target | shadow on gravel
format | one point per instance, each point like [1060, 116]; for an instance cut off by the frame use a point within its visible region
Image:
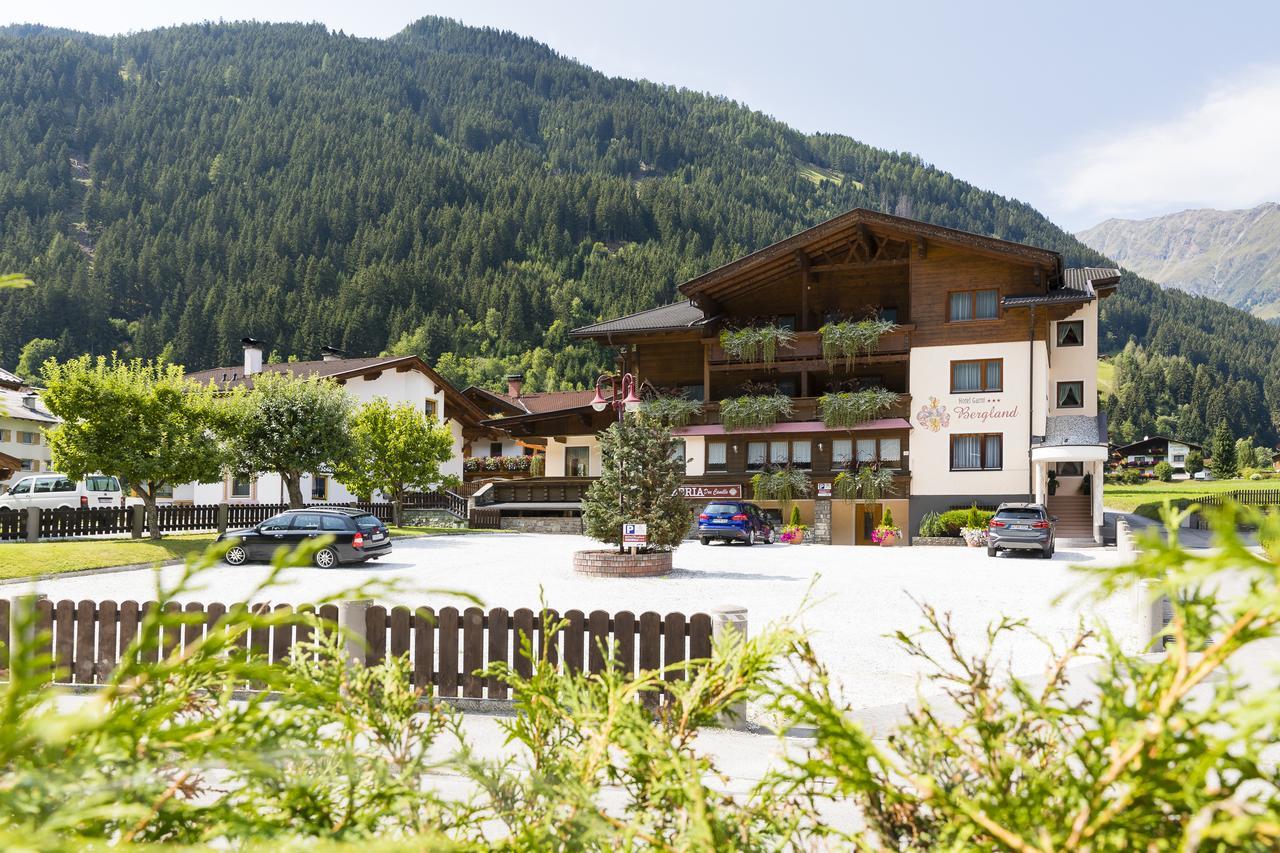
[697, 574]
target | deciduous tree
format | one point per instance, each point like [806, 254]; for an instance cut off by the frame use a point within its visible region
[291, 426]
[144, 422]
[394, 449]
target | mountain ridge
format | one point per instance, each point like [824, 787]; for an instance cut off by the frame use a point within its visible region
[1229, 255]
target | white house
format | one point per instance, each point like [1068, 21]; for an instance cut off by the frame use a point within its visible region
[23, 420]
[398, 379]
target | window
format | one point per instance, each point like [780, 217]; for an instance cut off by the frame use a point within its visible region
[841, 452]
[429, 406]
[99, 483]
[866, 450]
[62, 484]
[275, 524]
[891, 450]
[802, 454]
[886, 451]
[45, 485]
[1070, 469]
[306, 521]
[973, 305]
[982, 452]
[1071, 333]
[28, 437]
[4, 435]
[889, 314]
[979, 375]
[778, 453]
[333, 522]
[717, 456]
[29, 464]
[678, 450]
[577, 461]
[21, 488]
[495, 448]
[757, 454]
[1179, 458]
[1070, 395]
[241, 487]
[319, 487]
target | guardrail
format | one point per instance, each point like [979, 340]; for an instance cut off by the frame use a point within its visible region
[87, 639]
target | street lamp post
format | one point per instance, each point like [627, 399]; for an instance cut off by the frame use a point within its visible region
[623, 398]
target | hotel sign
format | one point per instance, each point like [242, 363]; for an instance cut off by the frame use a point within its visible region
[934, 416]
[711, 492]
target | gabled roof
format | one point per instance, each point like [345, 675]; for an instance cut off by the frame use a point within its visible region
[1079, 284]
[342, 369]
[10, 380]
[1138, 446]
[674, 317]
[11, 405]
[534, 403]
[842, 228]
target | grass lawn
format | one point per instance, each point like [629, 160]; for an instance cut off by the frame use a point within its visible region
[1106, 377]
[22, 559]
[1147, 498]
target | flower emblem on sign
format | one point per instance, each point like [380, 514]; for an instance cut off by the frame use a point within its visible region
[933, 417]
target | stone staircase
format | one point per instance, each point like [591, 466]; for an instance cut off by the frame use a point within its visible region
[1075, 516]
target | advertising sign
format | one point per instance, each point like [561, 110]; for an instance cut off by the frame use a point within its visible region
[711, 492]
[824, 490]
[635, 533]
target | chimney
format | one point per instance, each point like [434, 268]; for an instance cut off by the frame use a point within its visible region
[332, 354]
[515, 381]
[252, 356]
[29, 400]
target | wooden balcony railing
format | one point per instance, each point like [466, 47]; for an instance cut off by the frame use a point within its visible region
[805, 409]
[808, 348]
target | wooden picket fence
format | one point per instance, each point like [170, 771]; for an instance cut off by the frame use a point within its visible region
[82, 521]
[173, 517]
[1248, 497]
[446, 648]
[13, 524]
[484, 519]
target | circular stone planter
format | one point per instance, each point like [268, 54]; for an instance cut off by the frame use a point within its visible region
[611, 564]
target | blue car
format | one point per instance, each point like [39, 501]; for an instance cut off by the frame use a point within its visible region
[734, 521]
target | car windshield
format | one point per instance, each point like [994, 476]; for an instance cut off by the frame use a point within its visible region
[721, 509]
[1020, 513]
[101, 484]
[368, 522]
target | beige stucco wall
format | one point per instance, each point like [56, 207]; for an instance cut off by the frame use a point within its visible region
[1068, 364]
[695, 455]
[556, 448]
[1011, 412]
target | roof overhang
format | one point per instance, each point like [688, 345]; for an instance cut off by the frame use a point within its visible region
[847, 227]
[1069, 453]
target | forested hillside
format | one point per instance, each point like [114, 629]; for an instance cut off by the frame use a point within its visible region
[460, 193]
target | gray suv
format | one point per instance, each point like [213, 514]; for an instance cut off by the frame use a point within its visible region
[1022, 527]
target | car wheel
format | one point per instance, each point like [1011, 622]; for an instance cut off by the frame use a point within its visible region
[326, 558]
[705, 541]
[991, 552]
[768, 539]
[1047, 551]
[751, 538]
[236, 555]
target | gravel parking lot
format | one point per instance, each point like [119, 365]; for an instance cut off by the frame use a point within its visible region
[855, 595]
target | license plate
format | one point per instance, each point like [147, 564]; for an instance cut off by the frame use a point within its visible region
[1020, 526]
[104, 500]
[718, 521]
[375, 537]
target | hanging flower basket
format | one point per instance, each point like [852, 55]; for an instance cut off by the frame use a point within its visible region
[844, 341]
[759, 410]
[756, 343]
[847, 409]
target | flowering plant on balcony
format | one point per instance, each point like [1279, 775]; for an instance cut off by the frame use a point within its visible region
[756, 343]
[847, 409]
[755, 409]
[511, 464]
[671, 410]
[843, 341]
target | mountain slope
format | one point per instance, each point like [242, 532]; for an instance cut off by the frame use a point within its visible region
[1230, 255]
[464, 194]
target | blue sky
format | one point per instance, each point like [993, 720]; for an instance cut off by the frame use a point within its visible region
[1085, 109]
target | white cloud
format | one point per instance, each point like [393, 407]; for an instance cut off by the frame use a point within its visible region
[1223, 152]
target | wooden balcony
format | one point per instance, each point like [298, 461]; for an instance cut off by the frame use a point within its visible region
[804, 409]
[536, 490]
[806, 353]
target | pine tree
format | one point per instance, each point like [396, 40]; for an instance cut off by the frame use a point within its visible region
[1222, 451]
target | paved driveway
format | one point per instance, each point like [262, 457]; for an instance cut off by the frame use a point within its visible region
[854, 595]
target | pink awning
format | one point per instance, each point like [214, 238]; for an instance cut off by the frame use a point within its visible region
[794, 426]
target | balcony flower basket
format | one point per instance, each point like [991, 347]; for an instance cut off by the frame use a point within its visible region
[792, 534]
[868, 483]
[847, 409]
[782, 485]
[756, 343]
[754, 410]
[670, 410]
[844, 341]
